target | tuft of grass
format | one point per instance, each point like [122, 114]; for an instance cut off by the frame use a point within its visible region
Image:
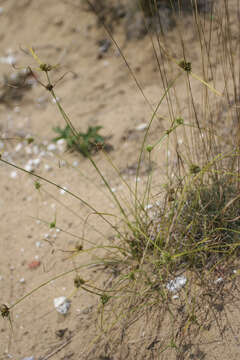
[197, 229]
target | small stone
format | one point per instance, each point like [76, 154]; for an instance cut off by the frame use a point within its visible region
[148, 206]
[36, 161]
[62, 145]
[18, 147]
[63, 191]
[176, 284]
[52, 147]
[13, 174]
[60, 333]
[34, 264]
[141, 127]
[28, 167]
[61, 304]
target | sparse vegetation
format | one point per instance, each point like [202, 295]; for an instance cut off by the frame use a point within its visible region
[85, 143]
[172, 253]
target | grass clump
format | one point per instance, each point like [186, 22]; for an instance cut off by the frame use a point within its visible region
[208, 224]
[198, 228]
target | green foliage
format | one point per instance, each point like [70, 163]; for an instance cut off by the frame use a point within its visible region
[85, 143]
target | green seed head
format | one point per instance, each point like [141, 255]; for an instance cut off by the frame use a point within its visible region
[78, 282]
[30, 140]
[105, 298]
[149, 148]
[37, 185]
[79, 247]
[179, 121]
[46, 67]
[52, 224]
[194, 169]
[185, 65]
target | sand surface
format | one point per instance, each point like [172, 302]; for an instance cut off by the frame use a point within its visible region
[95, 91]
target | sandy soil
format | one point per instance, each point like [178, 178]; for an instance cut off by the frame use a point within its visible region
[94, 92]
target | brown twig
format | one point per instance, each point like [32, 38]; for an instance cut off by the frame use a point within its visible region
[56, 350]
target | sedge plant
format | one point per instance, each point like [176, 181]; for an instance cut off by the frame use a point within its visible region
[191, 232]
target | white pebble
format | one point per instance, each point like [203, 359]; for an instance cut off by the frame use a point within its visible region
[28, 167]
[141, 127]
[62, 145]
[47, 167]
[63, 190]
[36, 161]
[176, 284]
[148, 206]
[75, 163]
[13, 174]
[51, 147]
[54, 101]
[11, 60]
[61, 304]
[18, 147]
